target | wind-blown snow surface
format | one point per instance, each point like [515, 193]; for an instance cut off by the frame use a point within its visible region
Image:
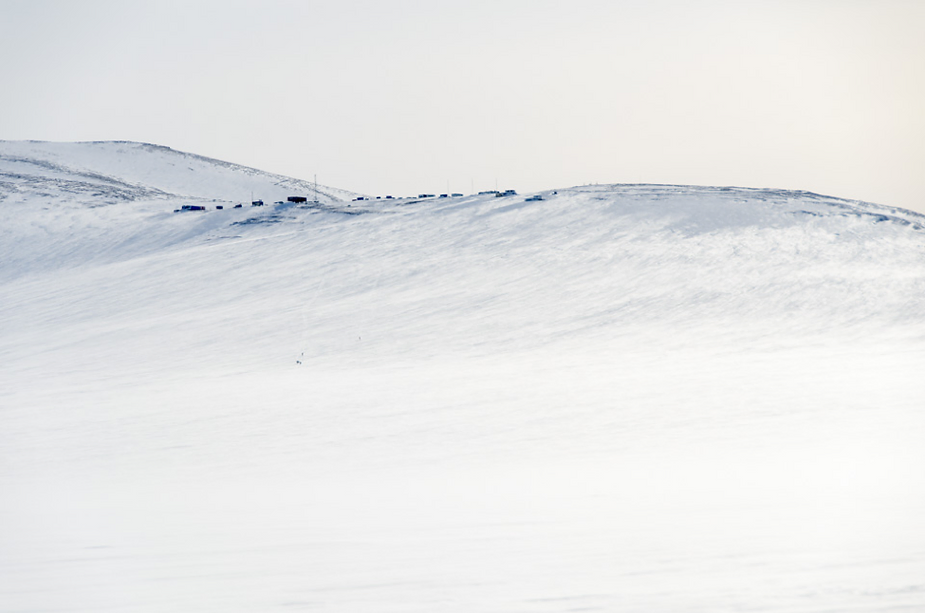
[621, 398]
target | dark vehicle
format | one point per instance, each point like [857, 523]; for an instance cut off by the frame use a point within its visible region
[388, 198]
[425, 195]
[456, 195]
[297, 199]
[238, 206]
[192, 207]
[219, 207]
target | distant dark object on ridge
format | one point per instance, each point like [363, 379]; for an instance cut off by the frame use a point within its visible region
[296, 199]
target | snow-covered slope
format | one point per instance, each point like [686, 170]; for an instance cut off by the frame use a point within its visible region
[626, 397]
[64, 179]
[109, 172]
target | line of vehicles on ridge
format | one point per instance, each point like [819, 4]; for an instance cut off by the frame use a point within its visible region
[495, 192]
[219, 207]
[303, 199]
[509, 192]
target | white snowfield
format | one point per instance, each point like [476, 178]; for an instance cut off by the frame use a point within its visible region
[634, 398]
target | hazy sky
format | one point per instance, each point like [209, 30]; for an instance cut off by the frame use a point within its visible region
[403, 97]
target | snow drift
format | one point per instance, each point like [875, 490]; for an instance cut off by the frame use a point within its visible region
[620, 397]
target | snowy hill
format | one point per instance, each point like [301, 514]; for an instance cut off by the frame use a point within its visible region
[108, 172]
[620, 397]
[64, 179]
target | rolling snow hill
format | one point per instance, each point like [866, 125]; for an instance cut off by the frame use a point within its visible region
[620, 397]
[110, 172]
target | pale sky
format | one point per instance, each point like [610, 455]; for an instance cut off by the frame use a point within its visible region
[402, 97]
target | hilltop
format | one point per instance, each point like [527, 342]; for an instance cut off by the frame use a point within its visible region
[108, 172]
